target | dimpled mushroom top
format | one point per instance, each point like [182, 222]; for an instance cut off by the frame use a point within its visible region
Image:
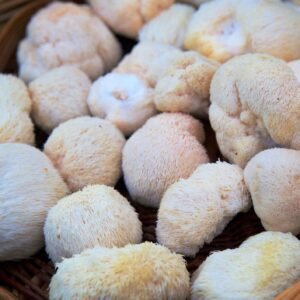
[86, 151]
[262, 267]
[145, 271]
[15, 106]
[96, 216]
[67, 34]
[255, 105]
[167, 148]
[221, 29]
[195, 210]
[126, 17]
[273, 179]
[59, 95]
[169, 26]
[29, 186]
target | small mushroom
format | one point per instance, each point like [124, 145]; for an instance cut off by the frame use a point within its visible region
[262, 267]
[86, 151]
[145, 271]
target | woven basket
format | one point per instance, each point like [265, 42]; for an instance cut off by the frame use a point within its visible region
[29, 279]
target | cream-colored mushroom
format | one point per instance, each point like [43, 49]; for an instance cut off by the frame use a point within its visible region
[167, 148]
[169, 26]
[145, 271]
[295, 66]
[273, 178]
[30, 186]
[126, 17]
[96, 216]
[184, 87]
[262, 267]
[194, 211]
[67, 34]
[254, 106]
[86, 151]
[59, 95]
[124, 99]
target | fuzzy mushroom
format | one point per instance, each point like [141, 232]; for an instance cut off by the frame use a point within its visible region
[96, 216]
[273, 179]
[201, 206]
[15, 106]
[59, 95]
[167, 148]
[168, 27]
[145, 271]
[262, 267]
[127, 17]
[221, 29]
[86, 151]
[29, 186]
[254, 106]
[67, 34]
[149, 61]
[295, 66]
[184, 87]
[124, 99]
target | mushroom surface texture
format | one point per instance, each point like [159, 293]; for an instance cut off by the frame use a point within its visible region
[96, 216]
[86, 151]
[145, 271]
[273, 179]
[184, 87]
[67, 34]
[262, 267]
[255, 105]
[29, 186]
[59, 95]
[15, 106]
[295, 66]
[149, 61]
[194, 211]
[124, 99]
[169, 26]
[167, 148]
[127, 17]
[221, 29]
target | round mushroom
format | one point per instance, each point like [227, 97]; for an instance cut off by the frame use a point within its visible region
[67, 34]
[262, 267]
[96, 216]
[167, 148]
[273, 178]
[59, 95]
[194, 211]
[254, 106]
[124, 99]
[86, 151]
[145, 271]
[30, 186]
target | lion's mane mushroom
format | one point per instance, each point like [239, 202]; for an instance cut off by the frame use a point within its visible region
[67, 34]
[29, 186]
[169, 26]
[184, 87]
[124, 99]
[59, 95]
[273, 179]
[86, 151]
[145, 271]
[195, 210]
[254, 106]
[15, 106]
[166, 148]
[149, 61]
[96, 216]
[127, 17]
[221, 29]
[262, 267]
